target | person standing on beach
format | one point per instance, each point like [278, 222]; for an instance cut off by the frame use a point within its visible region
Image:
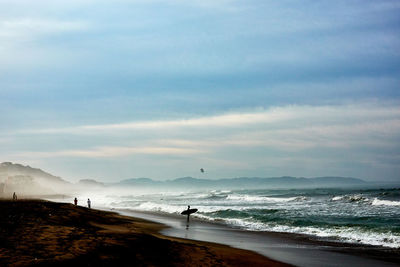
[188, 214]
[88, 203]
[14, 196]
[76, 201]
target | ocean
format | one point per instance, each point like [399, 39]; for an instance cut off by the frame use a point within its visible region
[363, 216]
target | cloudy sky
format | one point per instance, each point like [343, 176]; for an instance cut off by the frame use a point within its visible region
[144, 88]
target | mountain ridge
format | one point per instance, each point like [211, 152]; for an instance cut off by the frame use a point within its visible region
[18, 174]
[25, 180]
[12, 169]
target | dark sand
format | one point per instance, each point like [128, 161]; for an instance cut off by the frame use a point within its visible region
[42, 233]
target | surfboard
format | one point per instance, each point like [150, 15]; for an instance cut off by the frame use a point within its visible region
[188, 212]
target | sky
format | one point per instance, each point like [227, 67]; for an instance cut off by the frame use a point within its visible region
[110, 90]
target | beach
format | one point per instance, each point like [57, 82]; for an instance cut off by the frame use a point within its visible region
[44, 233]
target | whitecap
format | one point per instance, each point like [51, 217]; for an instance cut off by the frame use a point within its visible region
[379, 202]
[350, 198]
[250, 198]
[342, 234]
[336, 198]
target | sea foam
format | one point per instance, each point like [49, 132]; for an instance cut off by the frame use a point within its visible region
[379, 202]
[249, 198]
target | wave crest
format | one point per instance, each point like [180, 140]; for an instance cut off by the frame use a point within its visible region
[379, 202]
[249, 198]
[350, 198]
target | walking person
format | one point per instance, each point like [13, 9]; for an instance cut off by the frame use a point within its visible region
[88, 203]
[76, 201]
[14, 196]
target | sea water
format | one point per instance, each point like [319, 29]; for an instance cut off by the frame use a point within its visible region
[363, 216]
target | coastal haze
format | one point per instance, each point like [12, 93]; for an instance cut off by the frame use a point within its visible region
[30, 181]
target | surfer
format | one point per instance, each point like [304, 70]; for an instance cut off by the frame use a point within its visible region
[188, 212]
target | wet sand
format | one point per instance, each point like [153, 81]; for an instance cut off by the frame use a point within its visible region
[294, 249]
[42, 233]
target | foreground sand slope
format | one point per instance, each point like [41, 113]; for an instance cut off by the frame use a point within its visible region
[35, 232]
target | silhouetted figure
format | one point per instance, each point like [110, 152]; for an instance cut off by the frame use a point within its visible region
[76, 201]
[88, 203]
[188, 214]
[14, 196]
[202, 170]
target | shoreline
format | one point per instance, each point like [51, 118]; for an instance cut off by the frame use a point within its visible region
[41, 232]
[296, 249]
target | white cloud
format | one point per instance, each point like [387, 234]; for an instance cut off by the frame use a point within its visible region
[30, 27]
[368, 134]
[348, 140]
[109, 151]
[286, 117]
[226, 120]
[288, 128]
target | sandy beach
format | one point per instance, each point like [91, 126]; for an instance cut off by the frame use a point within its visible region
[43, 233]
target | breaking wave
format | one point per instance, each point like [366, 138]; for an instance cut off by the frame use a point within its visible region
[249, 198]
[368, 217]
[350, 198]
[378, 202]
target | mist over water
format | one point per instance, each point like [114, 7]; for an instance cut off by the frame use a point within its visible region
[364, 216]
[357, 213]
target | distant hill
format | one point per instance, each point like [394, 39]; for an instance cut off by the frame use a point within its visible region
[11, 169]
[247, 182]
[27, 180]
